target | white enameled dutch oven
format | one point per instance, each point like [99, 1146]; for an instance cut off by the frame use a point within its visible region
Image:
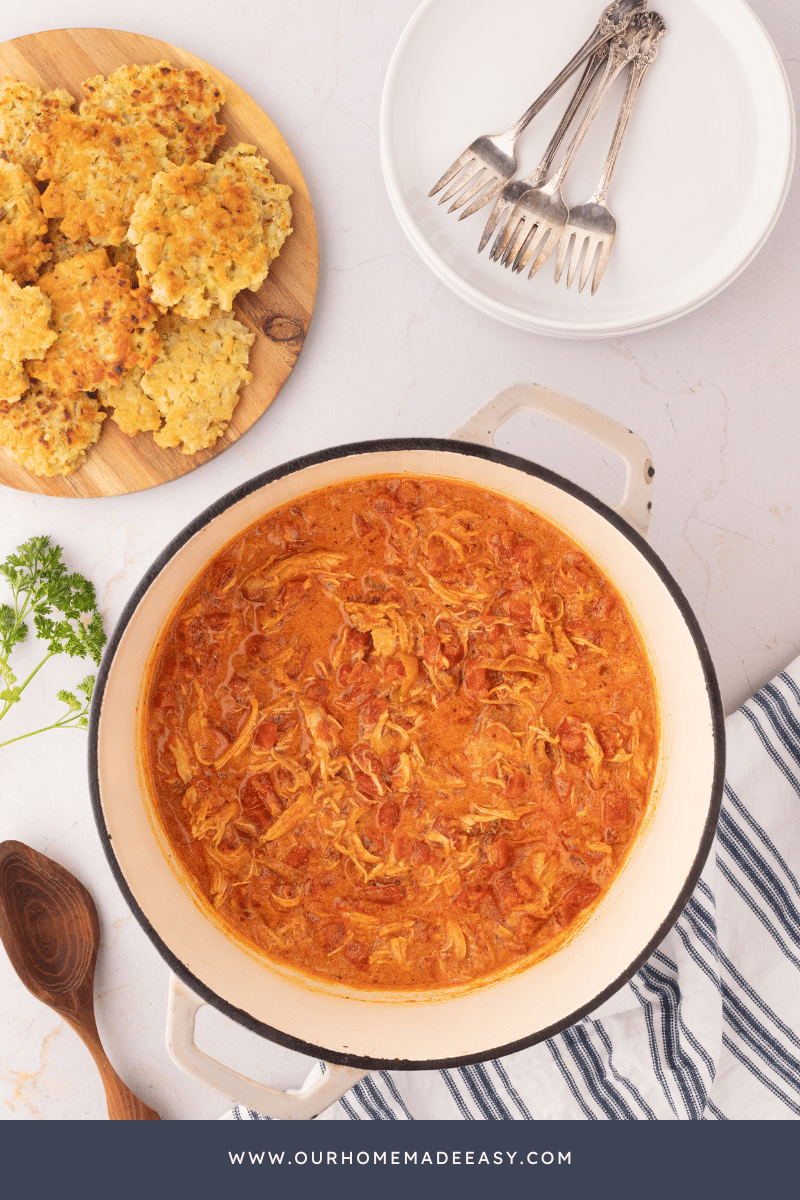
[358, 1031]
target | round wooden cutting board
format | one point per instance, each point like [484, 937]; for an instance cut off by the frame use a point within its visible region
[278, 313]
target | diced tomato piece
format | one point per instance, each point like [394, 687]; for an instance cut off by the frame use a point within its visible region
[384, 893]
[366, 784]
[471, 897]
[322, 883]
[409, 493]
[389, 814]
[295, 590]
[357, 695]
[516, 785]
[475, 680]
[423, 853]
[453, 652]
[615, 809]
[258, 792]
[572, 736]
[391, 761]
[357, 953]
[239, 685]
[266, 734]
[431, 649]
[217, 621]
[506, 890]
[256, 646]
[604, 607]
[500, 853]
[297, 856]
[394, 670]
[385, 505]
[358, 641]
[519, 609]
[527, 927]
[220, 573]
[525, 551]
[332, 935]
[402, 846]
[372, 711]
[610, 739]
[571, 578]
[552, 607]
[361, 527]
[579, 895]
[437, 560]
[502, 546]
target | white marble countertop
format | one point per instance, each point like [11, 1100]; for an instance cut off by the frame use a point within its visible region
[391, 352]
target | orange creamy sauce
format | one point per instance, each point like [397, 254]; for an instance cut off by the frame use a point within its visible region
[401, 734]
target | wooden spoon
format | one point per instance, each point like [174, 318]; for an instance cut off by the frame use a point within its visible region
[49, 927]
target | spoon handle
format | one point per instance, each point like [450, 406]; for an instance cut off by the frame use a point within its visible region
[123, 1105]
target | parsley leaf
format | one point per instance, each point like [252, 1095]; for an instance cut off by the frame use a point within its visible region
[63, 608]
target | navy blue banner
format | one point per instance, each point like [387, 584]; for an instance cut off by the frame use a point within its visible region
[561, 1159]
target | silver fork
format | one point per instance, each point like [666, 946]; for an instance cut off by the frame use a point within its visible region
[591, 225]
[540, 213]
[490, 161]
[512, 191]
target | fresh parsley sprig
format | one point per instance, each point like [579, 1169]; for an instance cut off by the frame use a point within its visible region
[64, 611]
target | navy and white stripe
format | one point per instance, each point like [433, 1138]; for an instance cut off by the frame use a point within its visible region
[709, 1028]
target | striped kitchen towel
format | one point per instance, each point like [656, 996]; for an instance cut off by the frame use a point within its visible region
[709, 1028]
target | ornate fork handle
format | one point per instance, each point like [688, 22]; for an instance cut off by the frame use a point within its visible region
[592, 68]
[614, 19]
[623, 49]
[644, 59]
[591, 229]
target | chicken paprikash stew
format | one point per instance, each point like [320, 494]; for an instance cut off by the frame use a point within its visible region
[401, 734]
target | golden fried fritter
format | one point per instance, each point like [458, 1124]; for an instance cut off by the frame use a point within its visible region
[48, 431]
[13, 381]
[23, 229]
[127, 199]
[180, 104]
[97, 169]
[104, 324]
[134, 411]
[25, 314]
[205, 231]
[27, 112]
[196, 379]
[61, 248]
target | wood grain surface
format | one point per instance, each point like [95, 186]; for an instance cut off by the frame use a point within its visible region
[51, 933]
[278, 313]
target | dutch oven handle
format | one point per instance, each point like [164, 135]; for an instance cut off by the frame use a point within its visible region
[323, 1091]
[636, 503]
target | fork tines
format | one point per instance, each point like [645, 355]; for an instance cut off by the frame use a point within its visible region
[595, 251]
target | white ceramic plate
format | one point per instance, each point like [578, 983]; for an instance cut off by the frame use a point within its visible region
[700, 182]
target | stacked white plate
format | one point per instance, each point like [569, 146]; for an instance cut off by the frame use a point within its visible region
[702, 176]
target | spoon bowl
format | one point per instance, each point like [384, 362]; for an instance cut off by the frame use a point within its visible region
[51, 933]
